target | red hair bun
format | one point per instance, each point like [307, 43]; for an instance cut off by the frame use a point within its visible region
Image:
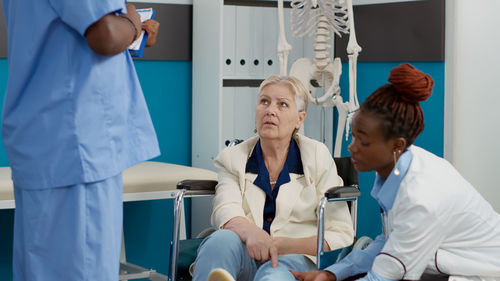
[415, 85]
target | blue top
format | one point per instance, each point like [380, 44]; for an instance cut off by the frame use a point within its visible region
[256, 165]
[70, 115]
[384, 191]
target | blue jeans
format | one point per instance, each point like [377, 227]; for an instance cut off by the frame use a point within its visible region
[224, 249]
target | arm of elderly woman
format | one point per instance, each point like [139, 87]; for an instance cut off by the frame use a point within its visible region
[229, 214]
[259, 244]
[305, 246]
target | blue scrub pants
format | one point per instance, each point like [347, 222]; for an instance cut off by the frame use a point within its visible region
[224, 249]
[69, 233]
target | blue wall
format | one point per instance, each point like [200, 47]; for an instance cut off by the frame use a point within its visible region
[6, 216]
[148, 224]
[4, 75]
[167, 87]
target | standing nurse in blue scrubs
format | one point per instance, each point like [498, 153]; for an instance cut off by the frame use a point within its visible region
[74, 118]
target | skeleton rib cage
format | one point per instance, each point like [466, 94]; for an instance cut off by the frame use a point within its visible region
[320, 17]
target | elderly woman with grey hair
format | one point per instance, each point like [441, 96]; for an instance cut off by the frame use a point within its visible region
[268, 191]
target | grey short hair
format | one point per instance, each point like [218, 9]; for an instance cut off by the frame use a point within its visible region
[294, 84]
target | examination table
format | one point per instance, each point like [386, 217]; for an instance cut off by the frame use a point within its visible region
[146, 181]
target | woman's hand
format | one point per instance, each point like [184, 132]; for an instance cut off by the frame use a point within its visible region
[151, 27]
[316, 275]
[259, 244]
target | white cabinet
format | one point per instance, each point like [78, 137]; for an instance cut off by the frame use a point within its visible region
[231, 43]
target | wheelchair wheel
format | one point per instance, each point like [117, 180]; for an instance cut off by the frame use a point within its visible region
[343, 253]
[206, 232]
[185, 271]
[362, 243]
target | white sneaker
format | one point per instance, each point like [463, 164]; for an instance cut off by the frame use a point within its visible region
[220, 274]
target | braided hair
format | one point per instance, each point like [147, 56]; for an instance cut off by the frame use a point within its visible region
[397, 103]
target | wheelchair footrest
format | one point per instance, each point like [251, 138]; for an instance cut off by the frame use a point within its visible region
[129, 271]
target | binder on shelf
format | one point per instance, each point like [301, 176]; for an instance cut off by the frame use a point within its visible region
[244, 119]
[229, 115]
[229, 41]
[243, 40]
[257, 43]
[270, 38]
[136, 49]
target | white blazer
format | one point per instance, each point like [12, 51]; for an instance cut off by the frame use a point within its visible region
[297, 202]
[438, 223]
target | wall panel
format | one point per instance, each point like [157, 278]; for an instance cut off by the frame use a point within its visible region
[411, 31]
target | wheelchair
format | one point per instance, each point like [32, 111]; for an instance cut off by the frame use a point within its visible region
[148, 181]
[348, 192]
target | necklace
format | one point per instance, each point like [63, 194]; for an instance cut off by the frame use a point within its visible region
[272, 182]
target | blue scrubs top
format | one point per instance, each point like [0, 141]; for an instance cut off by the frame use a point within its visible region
[256, 165]
[70, 115]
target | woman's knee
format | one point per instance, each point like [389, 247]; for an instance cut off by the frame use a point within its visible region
[222, 240]
[282, 271]
[223, 236]
[267, 272]
[223, 249]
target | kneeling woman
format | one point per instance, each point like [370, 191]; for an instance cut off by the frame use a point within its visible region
[269, 188]
[434, 221]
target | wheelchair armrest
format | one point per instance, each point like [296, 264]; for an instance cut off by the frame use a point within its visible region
[208, 185]
[339, 192]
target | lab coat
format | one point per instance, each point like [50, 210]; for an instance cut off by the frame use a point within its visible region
[438, 224]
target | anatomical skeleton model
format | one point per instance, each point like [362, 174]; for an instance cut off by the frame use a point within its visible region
[323, 16]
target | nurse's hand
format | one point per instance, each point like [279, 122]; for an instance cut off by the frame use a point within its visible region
[259, 244]
[151, 27]
[316, 275]
[135, 19]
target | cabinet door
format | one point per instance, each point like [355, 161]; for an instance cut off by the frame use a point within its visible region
[238, 113]
[244, 109]
[318, 124]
